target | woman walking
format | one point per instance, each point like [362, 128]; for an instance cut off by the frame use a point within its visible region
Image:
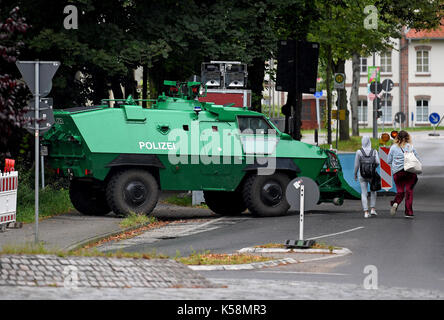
[404, 181]
[366, 160]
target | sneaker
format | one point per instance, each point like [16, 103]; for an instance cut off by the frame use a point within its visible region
[366, 215]
[393, 209]
[409, 216]
[373, 212]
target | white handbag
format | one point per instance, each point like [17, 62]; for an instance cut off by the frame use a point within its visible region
[411, 163]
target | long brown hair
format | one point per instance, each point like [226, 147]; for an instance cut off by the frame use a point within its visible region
[402, 138]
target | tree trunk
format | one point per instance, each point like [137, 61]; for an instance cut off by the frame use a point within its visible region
[344, 126]
[144, 85]
[117, 89]
[100, 88]
[256, 74]
[354, 95]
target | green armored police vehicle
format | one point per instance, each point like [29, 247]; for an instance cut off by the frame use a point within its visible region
[119, 156]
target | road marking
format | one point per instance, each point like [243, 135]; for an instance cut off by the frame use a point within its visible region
[308, 273]
[334, 234]
[431, 176]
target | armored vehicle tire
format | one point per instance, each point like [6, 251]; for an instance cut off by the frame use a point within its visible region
[132, 190]
[88, 198]
[225, 203]
[265, 195]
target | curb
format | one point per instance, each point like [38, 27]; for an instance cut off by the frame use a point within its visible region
[341, 251]
[247, 266]
[98, 238]
[272, 263]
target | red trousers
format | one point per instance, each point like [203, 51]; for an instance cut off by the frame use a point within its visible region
[405, 182]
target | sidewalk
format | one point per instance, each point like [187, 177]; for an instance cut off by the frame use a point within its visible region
[66, 230]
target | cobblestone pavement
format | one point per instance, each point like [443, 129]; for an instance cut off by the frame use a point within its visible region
[100, 272]
[235, 289]
[171, 231]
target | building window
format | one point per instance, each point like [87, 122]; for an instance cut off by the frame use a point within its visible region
[306, 110]
[386, 108]
[422, 110]
[363, 65]
[362, 111]
[386, 62]
[422, 61]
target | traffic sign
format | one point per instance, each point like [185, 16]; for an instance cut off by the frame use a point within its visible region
[400, 117]
[387, 85]
[376, 87]
[339, 81]
[318, 94]
[38, 77]
[434, 118]
[47, 69]
[45, 119]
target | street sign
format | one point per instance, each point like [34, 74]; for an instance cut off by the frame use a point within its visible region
[400, 117]
[46, 73]
[387, 85]
[339, 81]
[38, 76]
[374, 74]
[385, 96]
[45, 119]
[376, 87]
[318, 94]
[434, 118]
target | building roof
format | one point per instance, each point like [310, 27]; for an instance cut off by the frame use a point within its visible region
[438, 33]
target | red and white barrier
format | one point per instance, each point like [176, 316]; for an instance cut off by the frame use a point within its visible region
[386, 171]
[8, 194]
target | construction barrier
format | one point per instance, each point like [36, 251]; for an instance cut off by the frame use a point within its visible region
[347, 161]
[8, 194]
[385, 169]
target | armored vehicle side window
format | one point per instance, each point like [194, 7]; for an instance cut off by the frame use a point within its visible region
[256, 125]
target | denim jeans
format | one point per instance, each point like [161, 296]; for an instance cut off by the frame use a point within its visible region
[364, 194]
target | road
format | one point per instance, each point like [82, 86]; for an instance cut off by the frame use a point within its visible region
[405, 253]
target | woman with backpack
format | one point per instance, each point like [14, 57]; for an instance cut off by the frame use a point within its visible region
[366, 160]
[405, 181]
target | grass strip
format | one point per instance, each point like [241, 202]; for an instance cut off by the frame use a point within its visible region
[208, 258]
[354, 144]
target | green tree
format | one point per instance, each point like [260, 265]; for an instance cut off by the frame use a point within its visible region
[342, 35]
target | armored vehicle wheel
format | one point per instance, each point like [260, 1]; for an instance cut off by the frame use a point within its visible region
[132, 190]
[225, 203]
[88, 198]
[265, 195]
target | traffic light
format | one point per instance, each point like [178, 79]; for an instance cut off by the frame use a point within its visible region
[378, 108]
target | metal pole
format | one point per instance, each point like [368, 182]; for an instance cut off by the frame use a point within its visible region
[301, 214]
[269, 91]
[375, 120]
[37, 144]
[337, 119]
[318, 116]
[43, 170]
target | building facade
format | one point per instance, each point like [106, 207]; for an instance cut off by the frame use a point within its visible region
[416, 66]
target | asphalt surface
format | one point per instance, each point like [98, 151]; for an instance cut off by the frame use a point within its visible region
[406, 253]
